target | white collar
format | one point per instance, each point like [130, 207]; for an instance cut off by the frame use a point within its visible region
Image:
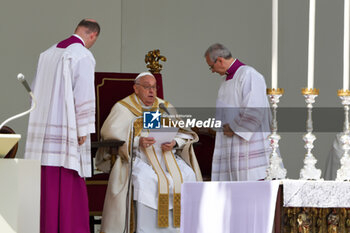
[141, 103]
[230, 66]
[232, 63]
[79, 38]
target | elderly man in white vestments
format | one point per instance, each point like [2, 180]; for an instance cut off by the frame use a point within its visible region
[59, 129]
[158, 171]
[241, 149]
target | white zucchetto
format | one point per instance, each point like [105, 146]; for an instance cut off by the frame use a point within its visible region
[143, 74]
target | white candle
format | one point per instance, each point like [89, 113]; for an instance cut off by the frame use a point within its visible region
[311, 52]
[274, 62]
[346, 46]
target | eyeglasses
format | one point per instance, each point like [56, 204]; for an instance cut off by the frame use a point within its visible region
[148, 87]
[212, 66]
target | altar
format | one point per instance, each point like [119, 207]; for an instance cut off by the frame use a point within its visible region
[266, 206]
[223, 207]
[315, 206]
[19, 195]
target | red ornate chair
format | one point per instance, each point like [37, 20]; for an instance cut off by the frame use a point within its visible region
[12, 153]
[109, 89]
[204, 150]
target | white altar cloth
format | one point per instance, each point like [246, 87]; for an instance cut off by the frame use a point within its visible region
[19, 196]
[321, 194]
[224, 207]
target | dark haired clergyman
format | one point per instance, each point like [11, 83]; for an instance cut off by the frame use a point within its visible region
[59, 129]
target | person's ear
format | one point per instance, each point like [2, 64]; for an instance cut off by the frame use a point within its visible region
[135, 89]
[93, 35]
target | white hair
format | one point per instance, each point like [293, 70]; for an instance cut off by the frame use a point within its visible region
[217, 50]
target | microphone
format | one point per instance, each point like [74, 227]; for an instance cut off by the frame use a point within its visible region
[162, 106]
[127, 216]
[21, 78]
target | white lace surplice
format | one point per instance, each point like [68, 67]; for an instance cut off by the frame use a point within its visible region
[243, 104]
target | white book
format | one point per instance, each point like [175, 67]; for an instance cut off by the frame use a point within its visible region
[163, 135]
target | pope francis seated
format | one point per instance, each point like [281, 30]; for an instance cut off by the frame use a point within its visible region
[157, 171]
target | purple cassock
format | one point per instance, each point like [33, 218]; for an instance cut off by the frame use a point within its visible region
[64, 201]
[233, 68]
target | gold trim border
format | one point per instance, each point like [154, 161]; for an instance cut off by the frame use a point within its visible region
[311, 91]
[273, 91]
[95, 213]
[163, 210]
[96, 182]
[343, 92]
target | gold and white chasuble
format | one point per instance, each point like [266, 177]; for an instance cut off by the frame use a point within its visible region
[160, 190]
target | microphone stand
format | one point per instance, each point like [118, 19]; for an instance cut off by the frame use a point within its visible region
[132, 158]
[23, 113]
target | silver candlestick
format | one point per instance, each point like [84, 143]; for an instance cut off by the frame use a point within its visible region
[343, 173]
[275, 169]
[309, 171]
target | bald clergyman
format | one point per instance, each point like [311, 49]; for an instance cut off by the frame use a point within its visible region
[59, 129]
